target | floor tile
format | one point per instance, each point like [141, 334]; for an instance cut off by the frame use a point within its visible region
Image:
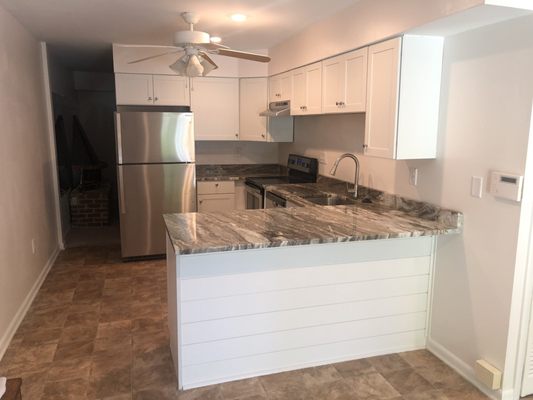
[98, 331]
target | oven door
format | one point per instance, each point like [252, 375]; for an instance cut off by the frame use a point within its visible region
[254, 197]
[274, 201]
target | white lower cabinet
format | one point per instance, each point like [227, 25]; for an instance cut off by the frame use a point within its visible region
[215, 103]
[216, 196]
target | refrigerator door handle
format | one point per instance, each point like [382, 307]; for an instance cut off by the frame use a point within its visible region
[122, 200]
[118, 130]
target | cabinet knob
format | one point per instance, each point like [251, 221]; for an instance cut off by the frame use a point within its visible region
[236, 135]
[262, 135]
[155, 98]
[337, 103]
[201, 201]
[216, 184]
[365, 146]
[341, 103]
[149, 98]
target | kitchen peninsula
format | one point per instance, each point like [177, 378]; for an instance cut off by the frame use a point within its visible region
[261, 291]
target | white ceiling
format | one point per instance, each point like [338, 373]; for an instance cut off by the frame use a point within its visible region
[80, 31]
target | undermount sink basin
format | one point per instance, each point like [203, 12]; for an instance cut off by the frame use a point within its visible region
[332, 201]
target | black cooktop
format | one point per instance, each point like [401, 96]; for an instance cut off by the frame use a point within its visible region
[301, 169]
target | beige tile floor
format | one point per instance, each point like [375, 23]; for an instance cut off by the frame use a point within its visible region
[97, 330]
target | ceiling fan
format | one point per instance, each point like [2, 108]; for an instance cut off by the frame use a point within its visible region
[195, 46]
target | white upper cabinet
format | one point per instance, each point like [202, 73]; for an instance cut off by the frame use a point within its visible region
[134, 89]
[280, 87]
[215, 103]
[344, 82]
[142, 89]
[253, 100]
[403, 92]
[170, 90]
[307, 90]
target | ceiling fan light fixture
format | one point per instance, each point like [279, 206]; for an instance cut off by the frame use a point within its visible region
[238, 17]
[194, 67]
[216, 39]
[208, 67]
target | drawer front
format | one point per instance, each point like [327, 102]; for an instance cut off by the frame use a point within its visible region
[216, 202]
[216, 187]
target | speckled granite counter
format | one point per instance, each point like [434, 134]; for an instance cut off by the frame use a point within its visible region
[235, 172]
[386, 217]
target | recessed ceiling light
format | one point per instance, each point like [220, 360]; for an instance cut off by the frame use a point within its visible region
[216, 39]
[238, 17]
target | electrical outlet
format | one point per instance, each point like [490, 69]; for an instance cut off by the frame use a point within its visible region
[413, 176]
[33, 246]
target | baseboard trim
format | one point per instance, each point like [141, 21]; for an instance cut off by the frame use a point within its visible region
[23, 309]
[462, 368]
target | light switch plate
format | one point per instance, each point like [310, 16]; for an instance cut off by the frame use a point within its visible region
[476, 189]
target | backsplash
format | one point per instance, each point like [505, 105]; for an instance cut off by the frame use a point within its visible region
[218, 152]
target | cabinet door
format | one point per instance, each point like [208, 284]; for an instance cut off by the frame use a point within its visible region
[134, 89]
[215, 103]
[307, 90]
[253, 100]
[171, 90]
[333, 77]
[286, 86]
[382, 98]
[216, 202]
[355, 73]
[274, 88]
[313, 75]
[299, 92]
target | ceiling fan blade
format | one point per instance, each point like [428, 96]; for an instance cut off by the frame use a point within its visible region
[155, 56]
[208, 59]
[158, 46]
[243, 54]
[213, 46]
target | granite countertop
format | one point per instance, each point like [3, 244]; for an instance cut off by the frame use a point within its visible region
[236, 172]
[387, 216]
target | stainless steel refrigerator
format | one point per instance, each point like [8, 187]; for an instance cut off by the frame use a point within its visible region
[155, 172]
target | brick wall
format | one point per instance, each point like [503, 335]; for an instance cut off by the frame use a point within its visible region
[90, 207]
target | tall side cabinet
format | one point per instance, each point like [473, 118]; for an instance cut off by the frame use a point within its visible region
[403, 93]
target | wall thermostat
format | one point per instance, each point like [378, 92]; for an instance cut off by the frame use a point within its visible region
[506, 186]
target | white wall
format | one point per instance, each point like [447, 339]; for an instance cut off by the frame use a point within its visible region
[485, 118]
[366, 22]
[26, 195]
[484, 124]
[236, 153]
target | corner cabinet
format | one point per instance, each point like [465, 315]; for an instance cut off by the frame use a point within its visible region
[307, 90]
[145, 89]
[215, 103]
[253, 100]
[403, 93]
[344, 82]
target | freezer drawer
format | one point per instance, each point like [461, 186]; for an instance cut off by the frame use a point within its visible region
[154, 137]
[146, 192]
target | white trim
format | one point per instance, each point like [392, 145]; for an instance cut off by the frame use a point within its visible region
[23, 309]
[462, 368]
[521, 303]
[431, 286]
[52, 141]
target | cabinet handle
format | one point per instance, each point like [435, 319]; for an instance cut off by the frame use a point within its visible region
[149, 98]
[337, 103]
[365, 146]
[262, 135]
[341, 103]
[156, 98]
